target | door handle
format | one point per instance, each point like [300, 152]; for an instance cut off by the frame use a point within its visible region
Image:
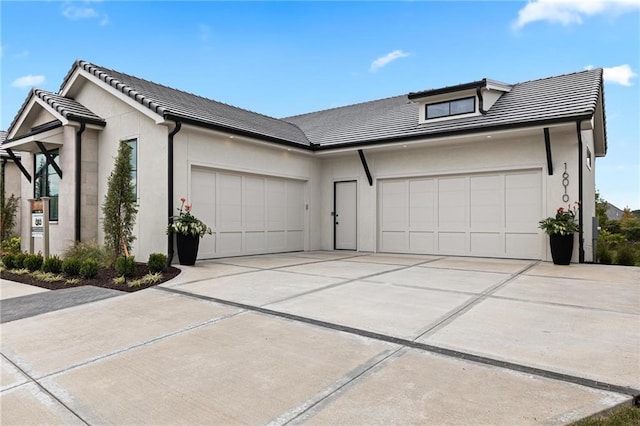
[337, 223]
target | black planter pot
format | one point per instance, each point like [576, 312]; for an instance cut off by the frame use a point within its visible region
[561, 248]
[187, 248]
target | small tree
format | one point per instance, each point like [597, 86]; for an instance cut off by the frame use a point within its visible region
[119, 207]
[601, 210]
[8, 212]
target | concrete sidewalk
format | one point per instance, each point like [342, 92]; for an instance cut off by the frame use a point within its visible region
[335, 338]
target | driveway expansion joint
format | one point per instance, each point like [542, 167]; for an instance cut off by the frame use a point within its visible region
[479, 359]
[43, 389]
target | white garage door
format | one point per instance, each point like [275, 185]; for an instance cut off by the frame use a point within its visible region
[249, 214]
[492, 214]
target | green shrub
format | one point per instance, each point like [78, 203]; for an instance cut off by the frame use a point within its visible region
[84, 251]
[8, 260]
[603, 254]
[18, 260]
[157, 262]
[33, 262]
[632, 233]
[626, 256]
[71, 266]
[89, 268]
[125, 266]
[11, 245]
[52, 264]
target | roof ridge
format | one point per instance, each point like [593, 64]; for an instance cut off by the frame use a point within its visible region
[176, 89]
[597, 69]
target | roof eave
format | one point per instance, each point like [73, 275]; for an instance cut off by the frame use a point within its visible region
[456, 132]
[238, 132]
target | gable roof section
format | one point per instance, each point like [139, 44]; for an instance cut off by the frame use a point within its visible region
[564, 98]
[176, 104]
[65, 108]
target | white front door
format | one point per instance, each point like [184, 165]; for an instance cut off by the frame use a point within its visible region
[345, 215]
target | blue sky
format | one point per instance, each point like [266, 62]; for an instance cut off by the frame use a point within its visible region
[287, 58]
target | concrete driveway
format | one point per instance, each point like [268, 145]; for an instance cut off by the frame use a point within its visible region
[334, 338]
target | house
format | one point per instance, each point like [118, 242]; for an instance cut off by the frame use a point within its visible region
[613, 212]
[9, 185]
[465, 170]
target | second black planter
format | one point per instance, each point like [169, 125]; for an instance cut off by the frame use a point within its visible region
[187, 248]
[561, 248]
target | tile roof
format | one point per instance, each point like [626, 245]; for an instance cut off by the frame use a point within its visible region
[170, 102]
[563, 98]
[66, 107]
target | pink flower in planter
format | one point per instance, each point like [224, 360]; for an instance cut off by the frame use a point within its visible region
[187, 208]
[183, 199]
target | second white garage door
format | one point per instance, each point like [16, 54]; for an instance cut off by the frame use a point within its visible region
[492, 214]
[249, 214]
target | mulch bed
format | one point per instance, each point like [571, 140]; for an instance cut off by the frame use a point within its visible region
[103, 279]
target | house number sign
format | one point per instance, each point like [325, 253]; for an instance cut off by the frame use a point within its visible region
[37, 224]
[565, 183]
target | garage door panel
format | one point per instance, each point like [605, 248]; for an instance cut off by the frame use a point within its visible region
[484, 214]
[276, 241]
[452, 203]
[487, 243]
[229, 201]
[486, 202]
[525, 246]
[230, 242]
[249, 214]
[422, 204]
[276, 205]
[523, 195]
[394, 241]
[394, 215]
[253, 202]
[255, 241]
[452, 242]
[422, 242]
[295, 206]
[203, 198]
[295, 240]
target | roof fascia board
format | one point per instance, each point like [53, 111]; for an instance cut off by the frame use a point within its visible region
[354, 146]
[444, 90]
[24, 113]
[31, 138]
[79, 72]
[245, 135]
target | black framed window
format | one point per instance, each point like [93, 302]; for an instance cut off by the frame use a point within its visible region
[133, 144]
[449, 108]
[47, 181]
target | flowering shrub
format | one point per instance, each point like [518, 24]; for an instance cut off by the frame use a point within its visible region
[564, 222]
[187, 224]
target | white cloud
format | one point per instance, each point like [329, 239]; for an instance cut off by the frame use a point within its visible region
[84, 10]
[387, 59]
[28, 81]
[75, 13]
[622, 74]
[568, 12]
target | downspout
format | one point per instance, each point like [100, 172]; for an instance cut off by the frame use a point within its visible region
[78, 201]
[480, 100]
[580, 195]
[170, 190]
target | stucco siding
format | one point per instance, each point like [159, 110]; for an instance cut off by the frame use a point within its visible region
[123, 123]
[214, 150]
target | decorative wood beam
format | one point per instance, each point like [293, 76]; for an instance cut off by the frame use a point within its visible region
[366, 167]
[50, 161]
